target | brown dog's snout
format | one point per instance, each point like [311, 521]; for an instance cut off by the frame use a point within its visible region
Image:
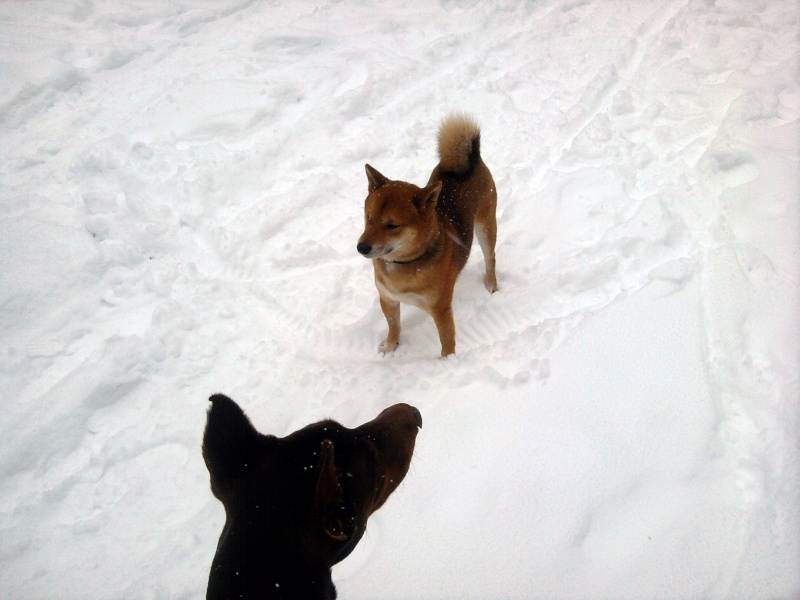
[363, 248]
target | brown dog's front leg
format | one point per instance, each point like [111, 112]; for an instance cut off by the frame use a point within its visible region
[443, 317]
[391, 310]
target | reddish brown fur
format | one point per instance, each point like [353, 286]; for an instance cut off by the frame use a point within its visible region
[419, 238]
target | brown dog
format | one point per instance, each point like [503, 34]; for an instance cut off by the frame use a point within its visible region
[297, 505]
[419, 238]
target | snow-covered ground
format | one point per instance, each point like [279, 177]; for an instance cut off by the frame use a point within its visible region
[182, 185]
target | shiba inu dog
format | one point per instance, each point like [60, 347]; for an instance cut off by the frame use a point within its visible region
[295, 506]
[419, 238]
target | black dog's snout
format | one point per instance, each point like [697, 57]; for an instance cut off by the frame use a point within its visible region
[364, 248]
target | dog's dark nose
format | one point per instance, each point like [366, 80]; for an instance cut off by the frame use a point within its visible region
[364, 248]
[418, 416]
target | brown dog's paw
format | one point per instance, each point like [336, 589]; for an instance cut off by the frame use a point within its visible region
[491, 284]
[387, 347]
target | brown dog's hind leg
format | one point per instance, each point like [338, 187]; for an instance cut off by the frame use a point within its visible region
[486, 232]
[391, 310]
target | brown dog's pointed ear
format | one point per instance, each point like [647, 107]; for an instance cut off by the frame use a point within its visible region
[376, 180]
[427, 197]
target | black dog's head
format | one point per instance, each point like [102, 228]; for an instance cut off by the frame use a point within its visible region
[298, 504]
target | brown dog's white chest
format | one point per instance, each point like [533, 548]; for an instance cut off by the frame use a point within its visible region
[404, 284]
[417, 300]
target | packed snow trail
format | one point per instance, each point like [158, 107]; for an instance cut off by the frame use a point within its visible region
[182, 190]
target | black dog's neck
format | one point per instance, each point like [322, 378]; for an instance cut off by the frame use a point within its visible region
[253, 565]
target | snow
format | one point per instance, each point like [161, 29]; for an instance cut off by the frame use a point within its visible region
[182, 189]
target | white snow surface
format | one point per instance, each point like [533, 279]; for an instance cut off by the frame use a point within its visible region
[182, 186]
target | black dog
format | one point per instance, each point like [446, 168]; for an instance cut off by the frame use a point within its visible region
[296, 506]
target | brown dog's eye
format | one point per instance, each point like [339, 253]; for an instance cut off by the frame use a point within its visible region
[391, 226]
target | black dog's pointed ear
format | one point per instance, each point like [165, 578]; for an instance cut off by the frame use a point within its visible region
[230, 443]
[376, 180]
[328, 497]
[329, 490]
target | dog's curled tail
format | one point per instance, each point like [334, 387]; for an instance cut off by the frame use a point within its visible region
[459, 144]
